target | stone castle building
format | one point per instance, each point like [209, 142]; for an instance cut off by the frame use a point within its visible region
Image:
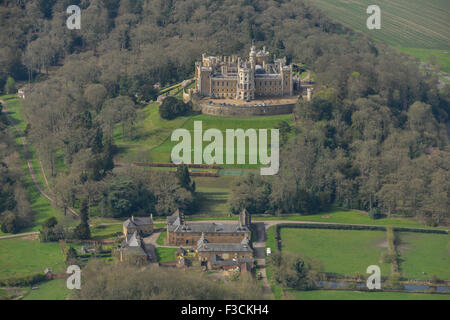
[180, 233]
[233, 78]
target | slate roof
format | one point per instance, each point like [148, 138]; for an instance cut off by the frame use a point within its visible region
[138, 221]
[208, 228]
[204, 246]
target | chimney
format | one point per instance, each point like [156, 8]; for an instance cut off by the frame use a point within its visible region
[132, 218]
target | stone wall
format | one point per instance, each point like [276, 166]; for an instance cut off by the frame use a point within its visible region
[239, 111]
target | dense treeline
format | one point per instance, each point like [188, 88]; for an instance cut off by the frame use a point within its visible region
[15, 210]
[130, 282]
[372, 138]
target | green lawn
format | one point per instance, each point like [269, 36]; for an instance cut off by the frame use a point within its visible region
[162, 153]
[213, 194]
[344, 252]
[151, 131]
[50, 290]
[429, 253]
[404, 23]
[161, 239]
[338, 215]
[20, 257]
[358, 295]
[165, 254]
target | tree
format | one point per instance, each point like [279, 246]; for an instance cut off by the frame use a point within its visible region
[10, 86]
[50, 223]
[71, 256]
[171, 108]
[82, 231]
[10, 223]
[183, 178]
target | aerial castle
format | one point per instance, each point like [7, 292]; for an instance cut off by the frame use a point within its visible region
[233, 78]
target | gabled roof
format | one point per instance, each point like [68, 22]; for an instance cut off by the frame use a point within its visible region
[138, 221]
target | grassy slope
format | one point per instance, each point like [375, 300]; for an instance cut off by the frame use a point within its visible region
[50, 290]
[416, 27]
[341, 251]
[404, 23]
[162, 152]
[20, 257]
[429, 253]
[151, 132]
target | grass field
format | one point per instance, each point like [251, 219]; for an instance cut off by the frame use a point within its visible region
[340, 251]
[151, 131]
[20, 257]
[338, 215]
[429, 253]
[162, 153]
[404, 23]
[358, 295]
[50, 290]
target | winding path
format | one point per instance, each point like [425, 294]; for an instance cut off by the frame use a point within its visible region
[29, 164]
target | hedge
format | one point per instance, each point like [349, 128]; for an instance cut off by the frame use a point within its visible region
[23, 281]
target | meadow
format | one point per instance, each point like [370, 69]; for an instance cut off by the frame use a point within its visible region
[342, 252]
[24, 256]
[428, 253]
[50, 290]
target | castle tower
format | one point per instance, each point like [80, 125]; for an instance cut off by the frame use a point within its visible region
[252, 58]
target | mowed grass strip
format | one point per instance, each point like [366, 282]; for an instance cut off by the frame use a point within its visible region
[345, 252]
[429, 253]
[163, 152]
[24, 256]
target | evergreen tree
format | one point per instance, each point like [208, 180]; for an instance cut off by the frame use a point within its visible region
[82, 231]
[183, 178]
